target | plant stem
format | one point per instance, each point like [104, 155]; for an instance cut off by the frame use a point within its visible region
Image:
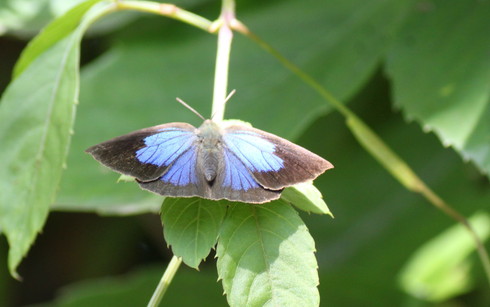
[166, 9]
[225, 37]
[167, 277]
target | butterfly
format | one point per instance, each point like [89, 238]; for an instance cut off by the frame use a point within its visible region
[215, 161]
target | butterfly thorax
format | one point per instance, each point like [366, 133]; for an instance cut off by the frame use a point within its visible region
[210, 139]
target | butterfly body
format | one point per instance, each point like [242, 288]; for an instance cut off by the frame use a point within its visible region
[233, 162]
[209, 155]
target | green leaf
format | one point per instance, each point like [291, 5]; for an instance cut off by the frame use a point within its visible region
[439, 270]
[266, 257]
[191, 226]
[36, 118]
[441, 74]
[307, 197]
[51, 34]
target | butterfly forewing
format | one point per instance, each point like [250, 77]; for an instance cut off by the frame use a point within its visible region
[147, 153]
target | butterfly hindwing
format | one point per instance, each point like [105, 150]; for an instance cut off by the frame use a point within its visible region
[272, 161]
[147, 153]
[235, 182]
[181, 179]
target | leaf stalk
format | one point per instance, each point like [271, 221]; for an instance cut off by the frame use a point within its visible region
[164, 283]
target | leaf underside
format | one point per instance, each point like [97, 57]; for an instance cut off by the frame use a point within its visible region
[191, 226]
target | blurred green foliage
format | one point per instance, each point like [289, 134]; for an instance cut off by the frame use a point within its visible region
[427, 48]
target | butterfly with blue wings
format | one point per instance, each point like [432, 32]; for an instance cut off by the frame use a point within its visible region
[215, 161]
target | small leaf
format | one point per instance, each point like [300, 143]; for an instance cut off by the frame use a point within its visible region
[305, 196]
[440, 269]
[266, 257]
[51, 34]
[125, 178]
[191, 226]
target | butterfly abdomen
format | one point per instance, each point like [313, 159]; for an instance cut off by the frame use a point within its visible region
[208, 161]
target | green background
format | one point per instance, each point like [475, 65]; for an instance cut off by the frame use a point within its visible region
[405, 67]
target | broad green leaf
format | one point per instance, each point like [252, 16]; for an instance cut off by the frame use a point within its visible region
[191, 226]
[36, 118]
[307, 197]
[440, 70]
[51, 34]
[440, 269]
[266, 257]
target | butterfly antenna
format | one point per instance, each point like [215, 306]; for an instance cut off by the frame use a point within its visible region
[226, 99]
[190, 108]
[229, 95]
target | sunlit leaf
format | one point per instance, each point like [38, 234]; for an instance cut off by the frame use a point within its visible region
[307, 197]
[266, 257]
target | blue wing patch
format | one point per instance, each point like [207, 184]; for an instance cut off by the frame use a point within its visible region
[164, 147]
[236, 174]
[172, 147]
[256, 153]
[183, 170]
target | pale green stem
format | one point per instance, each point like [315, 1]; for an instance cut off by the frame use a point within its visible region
[168, 10]
[375, 145]
[225, 37]
[164, 283]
